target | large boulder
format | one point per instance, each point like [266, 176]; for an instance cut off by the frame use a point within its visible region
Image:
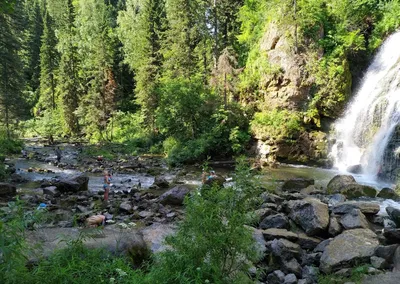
[394, 214]
[338, 182]
[297, 184]
[284, 249]
[388, 193]
[79, 183]
[354, 219]
[349, 248]
[355, 190]
[174, 196]
[7, 190]
[347, 206]
[392, 235]
[311, 214]
[279, 221]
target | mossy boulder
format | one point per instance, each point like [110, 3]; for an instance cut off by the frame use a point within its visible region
[355, 190]
[336, 184]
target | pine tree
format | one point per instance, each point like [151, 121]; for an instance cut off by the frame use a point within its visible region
[141, 28]
[96, 49]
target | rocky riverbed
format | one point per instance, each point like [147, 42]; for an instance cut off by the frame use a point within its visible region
[303, 229]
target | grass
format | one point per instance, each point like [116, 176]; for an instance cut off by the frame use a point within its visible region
[356, 275]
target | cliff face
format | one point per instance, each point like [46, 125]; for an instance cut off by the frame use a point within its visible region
[304, 94]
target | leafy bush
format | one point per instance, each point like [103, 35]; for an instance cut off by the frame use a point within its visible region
[212, 244]
[276, 124]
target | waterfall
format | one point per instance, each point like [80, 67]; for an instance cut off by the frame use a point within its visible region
[372, 119]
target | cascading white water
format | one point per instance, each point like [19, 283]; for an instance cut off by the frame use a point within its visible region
[362, 134]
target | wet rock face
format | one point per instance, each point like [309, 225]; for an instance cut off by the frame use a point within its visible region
[311, 214]
[388, 193]
[391, 159]
[348, 248]
[7, 190]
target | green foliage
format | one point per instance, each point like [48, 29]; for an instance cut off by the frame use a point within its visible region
[48, 123]
[276, 124]
[356, 276]
[212, 244]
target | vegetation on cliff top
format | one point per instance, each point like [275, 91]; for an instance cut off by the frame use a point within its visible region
[182, 78]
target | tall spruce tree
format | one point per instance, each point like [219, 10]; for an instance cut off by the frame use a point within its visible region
[141, 28]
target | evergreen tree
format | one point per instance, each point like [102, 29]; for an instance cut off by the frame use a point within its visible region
[140, 30]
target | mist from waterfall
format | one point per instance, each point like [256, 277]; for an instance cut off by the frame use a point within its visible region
[363, 133]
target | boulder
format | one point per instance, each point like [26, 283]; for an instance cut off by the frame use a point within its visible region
[7, 190]
[386, 252]
[396, 260]
[125, 207]
[297, 184]
[365, 207]
[338, 182]
[349, 248]
[51, 191]
[290, 279]
[310, 273]
[291, 266]
[388, 193]
[284, 249]
[276, 277]
[322, 245]
[334, 228]
[354, 219]
[273, 233]
[279, 221]
[392, 235]
[218, 180]
[306, 242]
[174, 196]
[311, 214]
[336, 199]
[387, 278]
[161, 182]
[394, 214]
[379, 262]
[355, 169]
[79, 183]
[16, 178]
[355, 190]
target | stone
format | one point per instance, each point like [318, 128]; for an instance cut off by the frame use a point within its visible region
[79, 183]
[336, 198]
[291, 266]
[16, 178]
[394, 214]
[174, 196]
[354, 219]
[125, 207]
[355, 190]
[311, 259]
[386, 252]
[388, 223]
[365, 207]
[219, 180]
[290, 279]
[7, 190]
[284, 249]
[379, 263]
[271, 234]
[388, 193]
[82, 209]
[334, 228]
[302, 281]
[338, 182]
[396, 260]
[322, 245]
[311, 214]
[310, 273]
[279, 221]
[386, 278]
[306, 242]
[354, 169]
[296, 184]
[260, 243]
[146, 214]
[262, 213]
[161, 182]
[51, 191]
[392, 235]
[348, 248]
[276, 277]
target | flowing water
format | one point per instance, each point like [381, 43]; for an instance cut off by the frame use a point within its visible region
[372, 118]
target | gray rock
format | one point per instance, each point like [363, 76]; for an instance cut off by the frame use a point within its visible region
[79, 183]
[291, 266]
[379, 263]
[350, 247]
[355, 190]
[354, 219]
[260, 242]
[306, 242]
[336, 198]
[386, 252]
[388, 223]
[262, 213]
[334, 228]
[271, 234]
[146, 214]
[311, 259]
[125, 207]
[296, 184]
[388, 193]
[302, 281]
[392, 235]
[338, 182]
[279, 221]
[51, 191]
[387, 278]
[310, 274]
[322, 245]
[394, 214]
[174, 196]
[290, 279]
[276, 277]
[7, 190]
[365, 207]
[161, 182]
[311, 214]
[396, 260]
[284, 249]
[82, 209]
